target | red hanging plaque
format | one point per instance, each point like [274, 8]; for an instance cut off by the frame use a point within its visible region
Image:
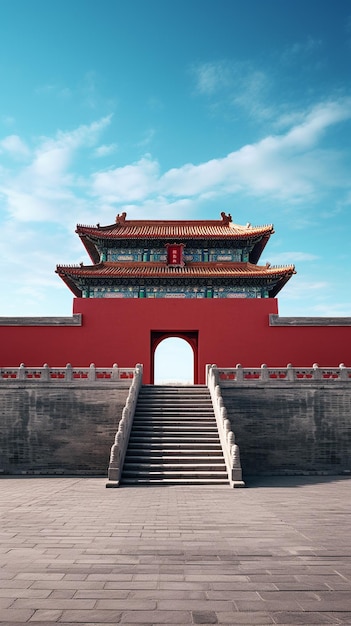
[175, 253]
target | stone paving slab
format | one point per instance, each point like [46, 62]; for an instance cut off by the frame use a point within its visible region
[73, 552]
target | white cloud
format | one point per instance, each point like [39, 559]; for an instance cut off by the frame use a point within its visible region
[234, 85]
[287, 166]
[301, 289]
[147, 138]
[291, 166]
[331, 309]
[45, 189]
[283, 258]
[212, 76]
[7, 120]
[14, 145]
[303, 294]
[105, 150]
[305, 48]
[30, 275]
[127, 183]
[159, 208]
[55, 90]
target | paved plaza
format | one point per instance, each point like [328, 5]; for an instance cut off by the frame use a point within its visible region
[74, 552]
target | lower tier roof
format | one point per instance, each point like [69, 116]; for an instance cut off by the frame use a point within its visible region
[75, 276]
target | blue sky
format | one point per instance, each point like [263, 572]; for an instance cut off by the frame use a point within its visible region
[175, 109]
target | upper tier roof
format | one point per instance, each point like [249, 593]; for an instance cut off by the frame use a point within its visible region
[175, 230]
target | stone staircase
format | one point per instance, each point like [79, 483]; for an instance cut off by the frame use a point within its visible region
[174, 438]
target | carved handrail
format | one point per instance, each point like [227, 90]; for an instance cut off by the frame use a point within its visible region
[67, 374]
[119, 447]
[228, 376]
[230, 449]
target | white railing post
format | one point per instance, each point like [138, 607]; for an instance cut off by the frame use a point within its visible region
[316, 372]
[343, 372]
[68, 373]
[290, 373]
[264, 373]
[115, 372]
[92, 372]
[239, 373]
[45, 374]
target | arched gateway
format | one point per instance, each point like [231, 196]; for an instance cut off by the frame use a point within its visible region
[152, 279]
[191, 337]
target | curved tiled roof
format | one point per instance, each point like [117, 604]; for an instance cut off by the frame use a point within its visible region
[95, 237]
[155, 270]
[72, 275]
[174, 229]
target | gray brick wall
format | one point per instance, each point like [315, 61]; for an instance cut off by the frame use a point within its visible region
[291, 428]
[68, 428]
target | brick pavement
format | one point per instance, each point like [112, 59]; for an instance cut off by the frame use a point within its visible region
[74, 552]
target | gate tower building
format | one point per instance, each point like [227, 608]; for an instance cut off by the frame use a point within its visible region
[175, 259]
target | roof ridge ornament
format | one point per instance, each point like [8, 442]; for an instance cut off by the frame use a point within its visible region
[121, 218]
[226, 219]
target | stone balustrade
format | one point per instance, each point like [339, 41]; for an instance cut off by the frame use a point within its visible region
[67, 374]
[230, 449]
[270, 375]
[119, 447]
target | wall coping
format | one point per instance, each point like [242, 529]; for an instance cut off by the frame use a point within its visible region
[276, 320]
[74, 320]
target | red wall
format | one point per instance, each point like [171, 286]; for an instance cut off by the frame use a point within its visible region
[229, 332]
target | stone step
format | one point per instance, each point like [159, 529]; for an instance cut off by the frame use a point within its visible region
[177, 399]
[170, 473]
[163, 444]
[169, 422]
[171, 425]
[174, 412]
[177, 455]
[171, 464]
[172, 460]
[191, 400]
[174, 417]
[169, 409]
[169, 391]
[154, 389]
[169, 439]
[174, 398]
[180, 475]
[162, 480]
[174, 439]
[197, 427]
[170, 455]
